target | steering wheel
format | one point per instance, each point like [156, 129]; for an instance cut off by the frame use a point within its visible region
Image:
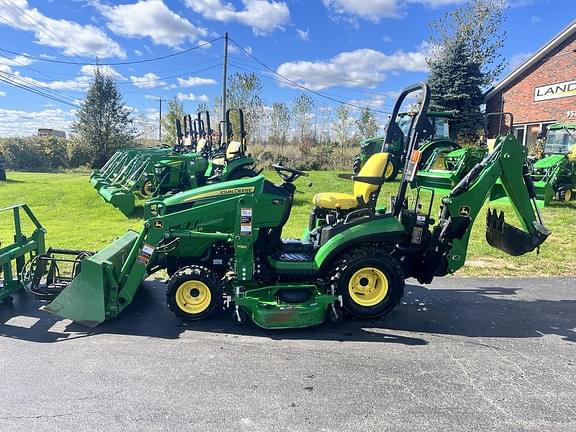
[288, 174]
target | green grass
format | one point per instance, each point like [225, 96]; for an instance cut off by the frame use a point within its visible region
[76, 217]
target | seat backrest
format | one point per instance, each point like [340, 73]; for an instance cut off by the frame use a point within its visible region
[200, 145]
[374, 167]
[233, 150]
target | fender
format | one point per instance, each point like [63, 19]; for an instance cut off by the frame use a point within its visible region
[386, 229]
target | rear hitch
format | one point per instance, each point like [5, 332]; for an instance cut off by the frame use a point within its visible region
[510, 239]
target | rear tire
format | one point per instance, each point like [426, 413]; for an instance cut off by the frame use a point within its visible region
[194, 293]
[370, 281]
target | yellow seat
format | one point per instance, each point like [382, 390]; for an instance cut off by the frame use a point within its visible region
[366, 185]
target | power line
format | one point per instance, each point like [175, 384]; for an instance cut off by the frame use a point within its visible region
[41, 27]
[32, 84]
[303, 87]
[113, 63]
[35, 91]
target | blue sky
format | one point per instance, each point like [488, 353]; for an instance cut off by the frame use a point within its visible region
[359, 51]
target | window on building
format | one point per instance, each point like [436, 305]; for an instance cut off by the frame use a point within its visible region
[518, 132]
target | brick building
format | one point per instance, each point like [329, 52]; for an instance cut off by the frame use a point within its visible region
[542, 90]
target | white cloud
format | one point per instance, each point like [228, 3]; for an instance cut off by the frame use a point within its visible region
[263, 16]
[69, 36]
[2, 93]
[192, 97]
[148, 80]
[23, 123]
[374, 10]
[153, 19]
[303, 34]
[89, 70]
[360, 68]
[16, 61]
[195, 81]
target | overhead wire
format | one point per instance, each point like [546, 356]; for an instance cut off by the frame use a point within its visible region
[301, 86]
[148, 60]
[36, 91]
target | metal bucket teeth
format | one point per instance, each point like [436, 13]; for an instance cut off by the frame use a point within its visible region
[508, 238]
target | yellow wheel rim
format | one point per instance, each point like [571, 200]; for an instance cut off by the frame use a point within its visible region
[193, 297]
[389, 170]
[147, 189]
[368, 286]
[568, 195]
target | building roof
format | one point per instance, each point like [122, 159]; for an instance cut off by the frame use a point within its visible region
[567, 32]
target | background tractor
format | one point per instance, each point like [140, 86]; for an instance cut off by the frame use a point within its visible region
[194, 161]
[438, 135]
[553, 170]
[222, 244]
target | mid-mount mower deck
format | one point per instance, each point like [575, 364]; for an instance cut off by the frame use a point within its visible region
[221, 244]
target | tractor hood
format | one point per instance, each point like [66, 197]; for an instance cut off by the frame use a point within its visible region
[371, 141]
[218, 190]
[548, 161]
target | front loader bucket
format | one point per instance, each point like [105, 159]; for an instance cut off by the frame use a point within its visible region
[91, 297]
[443, 181]
[508, 238]
[120, 198]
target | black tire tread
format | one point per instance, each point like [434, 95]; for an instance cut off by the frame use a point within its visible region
[351, 257]
[196, 272]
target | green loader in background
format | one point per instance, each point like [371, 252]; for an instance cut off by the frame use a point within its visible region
[223, 249]
[193, 162]
[438, 135]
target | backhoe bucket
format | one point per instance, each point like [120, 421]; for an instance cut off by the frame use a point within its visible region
[508, 238]
[120, 198]
[91, 297]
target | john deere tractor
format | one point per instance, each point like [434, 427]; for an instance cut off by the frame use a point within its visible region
[437, 135]
[553, 172]
[222, 244]
[191, 163]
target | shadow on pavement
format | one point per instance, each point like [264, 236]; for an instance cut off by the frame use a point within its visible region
[492, 312]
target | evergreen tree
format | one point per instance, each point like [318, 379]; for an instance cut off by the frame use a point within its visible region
[103, 122]
[466, 60]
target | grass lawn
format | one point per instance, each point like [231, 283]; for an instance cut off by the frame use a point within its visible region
[76, 217]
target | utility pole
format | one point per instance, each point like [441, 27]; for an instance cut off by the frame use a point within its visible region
[224, 80]
[160, 100]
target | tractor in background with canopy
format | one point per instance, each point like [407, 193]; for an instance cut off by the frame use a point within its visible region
[438, 136]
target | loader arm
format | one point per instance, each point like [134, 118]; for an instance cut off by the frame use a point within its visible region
[462, 206]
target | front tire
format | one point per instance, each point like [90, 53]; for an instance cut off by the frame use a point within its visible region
[357, 164]
[194, 293]
[370, 281]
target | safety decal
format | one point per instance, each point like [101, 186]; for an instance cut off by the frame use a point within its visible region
[246, 221]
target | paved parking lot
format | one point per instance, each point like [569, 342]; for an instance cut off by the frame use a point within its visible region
[461, 355]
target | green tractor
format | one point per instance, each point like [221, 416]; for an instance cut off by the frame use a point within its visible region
[186, 166]
[554, 171]
[223, 249]
[437, 135]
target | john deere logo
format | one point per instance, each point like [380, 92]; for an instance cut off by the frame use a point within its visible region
[464, 211]
[231, 191]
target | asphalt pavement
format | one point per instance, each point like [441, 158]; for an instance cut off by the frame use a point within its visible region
[460, 355]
